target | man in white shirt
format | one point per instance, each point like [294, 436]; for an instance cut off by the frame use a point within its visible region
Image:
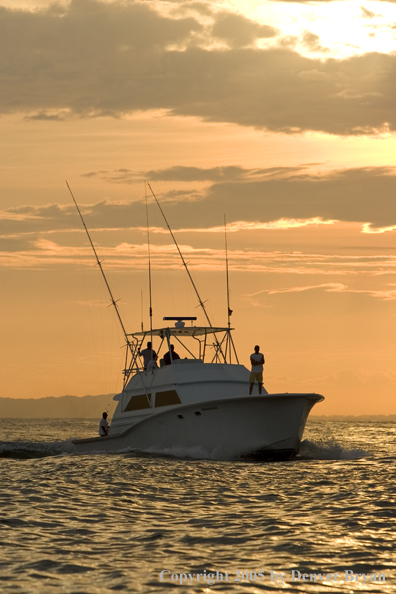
[148, 355]
[257, 360]
[103, 426]
[152, 364]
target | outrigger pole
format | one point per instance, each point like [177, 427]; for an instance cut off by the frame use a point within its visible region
[149, 270]
[229, 311]
[201, 303]
[99, 262]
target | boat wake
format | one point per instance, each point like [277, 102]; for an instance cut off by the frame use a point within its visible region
[328, 449]
[27, 450]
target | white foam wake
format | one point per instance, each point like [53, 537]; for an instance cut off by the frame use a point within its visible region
[328, 449]
[35, 449]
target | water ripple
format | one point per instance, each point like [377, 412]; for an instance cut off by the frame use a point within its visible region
[96, 524]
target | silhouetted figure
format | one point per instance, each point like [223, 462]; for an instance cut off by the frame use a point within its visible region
[256, 375]
[167, 356]
[148, 355]
[152, 364]
[103, 426]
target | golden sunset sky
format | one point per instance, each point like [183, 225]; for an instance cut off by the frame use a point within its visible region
[280, 115]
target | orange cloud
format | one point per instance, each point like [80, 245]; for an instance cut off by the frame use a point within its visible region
[386, 294]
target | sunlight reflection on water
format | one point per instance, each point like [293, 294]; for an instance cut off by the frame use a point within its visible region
[95, 524]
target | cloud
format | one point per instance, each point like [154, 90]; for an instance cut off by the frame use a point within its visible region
[251, 199]
[237, 226]
[91, 58]
[279, 193]
[387, 294]
[50, 116]
[176, 173]
[238, 31]
[301, 263]
[38, 236]
[44, 252]
[367, 14]
[331, 287]
[312, 41]
[360, 195]
[180, 173]
[313, 2]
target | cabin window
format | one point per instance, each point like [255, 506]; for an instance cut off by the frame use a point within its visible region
[138, 402]
[166, 398]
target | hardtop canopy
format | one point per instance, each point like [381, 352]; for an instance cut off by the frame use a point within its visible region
[186, 331]
[218, 348]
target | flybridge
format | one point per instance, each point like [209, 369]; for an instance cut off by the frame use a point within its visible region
[215, 344]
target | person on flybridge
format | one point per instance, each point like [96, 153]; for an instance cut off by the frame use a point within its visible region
[152, 364]
[257, 360]
[148, 355]
[103, 425]
[170, 356]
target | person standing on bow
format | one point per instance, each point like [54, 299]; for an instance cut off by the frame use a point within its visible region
[148, 355]
[257, 360]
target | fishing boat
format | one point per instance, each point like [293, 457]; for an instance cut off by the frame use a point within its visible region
[200, 405]
[197, 404]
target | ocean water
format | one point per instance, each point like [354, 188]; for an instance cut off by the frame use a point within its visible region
[93, 524]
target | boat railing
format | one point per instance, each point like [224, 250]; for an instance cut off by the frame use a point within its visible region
[162, 365]
[214, 345]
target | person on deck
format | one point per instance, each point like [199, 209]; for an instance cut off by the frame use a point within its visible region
[152, 364]
[257, 360]
[148, 355]
[170, 356]
[103, 426]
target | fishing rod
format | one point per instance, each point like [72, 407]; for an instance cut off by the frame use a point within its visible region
[133, 351]
[201, 303]
[99, 262]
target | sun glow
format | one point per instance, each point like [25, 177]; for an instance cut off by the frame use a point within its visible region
[342, 28]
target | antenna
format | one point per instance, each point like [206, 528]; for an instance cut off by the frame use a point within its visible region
[149, 266]
[141, 308]
[113, 302]
[229, 311]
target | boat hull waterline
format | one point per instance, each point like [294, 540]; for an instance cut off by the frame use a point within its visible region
[264, 427]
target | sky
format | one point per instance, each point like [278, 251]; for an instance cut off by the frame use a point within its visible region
[277, 115]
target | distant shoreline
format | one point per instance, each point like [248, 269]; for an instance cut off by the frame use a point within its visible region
[90, 407]
[60, 407]
[353, 417]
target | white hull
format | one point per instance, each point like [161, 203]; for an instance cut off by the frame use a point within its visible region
[257, 427]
